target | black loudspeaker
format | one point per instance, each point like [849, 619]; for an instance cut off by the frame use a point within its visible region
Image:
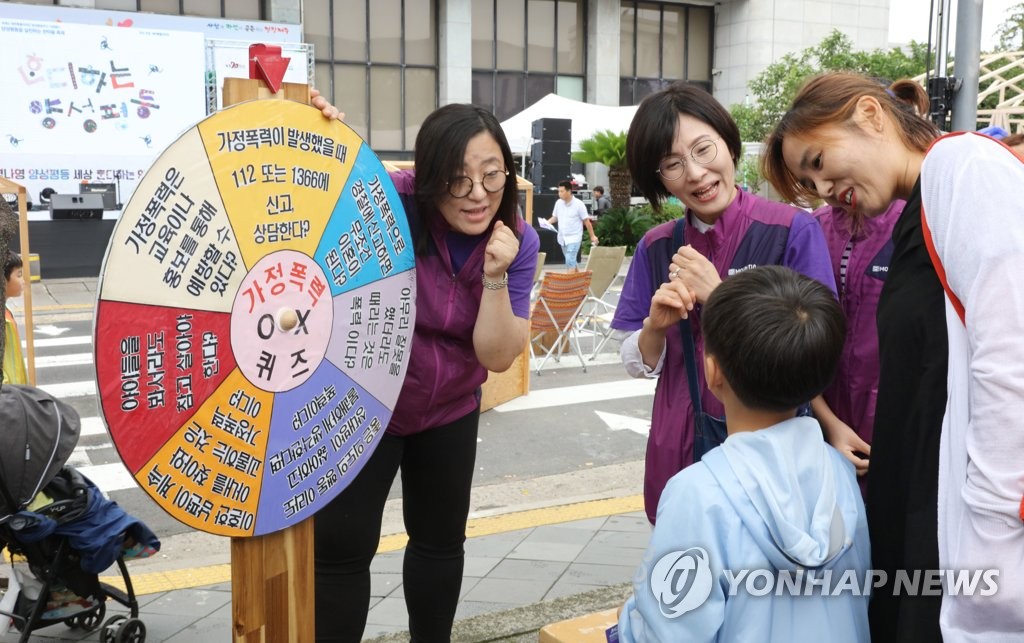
[543, 206]
[552, 129]
[76, 206]
[106, 190]
[549, 246]
[551, 151]
[546, 177]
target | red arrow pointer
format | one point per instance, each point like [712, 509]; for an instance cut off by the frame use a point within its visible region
[266, 64]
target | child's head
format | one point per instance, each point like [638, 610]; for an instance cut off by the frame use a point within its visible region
[13, 274]
[775, 335]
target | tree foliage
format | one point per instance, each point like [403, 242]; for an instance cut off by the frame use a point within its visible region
[1011, 30]
[603, 147]
[609, 148]
[772, 91]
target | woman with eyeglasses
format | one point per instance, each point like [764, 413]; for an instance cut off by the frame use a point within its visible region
[683, 143]
[475, 259]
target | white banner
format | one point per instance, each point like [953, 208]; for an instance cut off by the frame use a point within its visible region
[93, 104]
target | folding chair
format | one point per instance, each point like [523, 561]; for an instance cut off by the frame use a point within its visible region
[604, 262]
[561, 298]
[541, 257]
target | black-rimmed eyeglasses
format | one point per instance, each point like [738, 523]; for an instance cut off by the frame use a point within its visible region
[492, 181]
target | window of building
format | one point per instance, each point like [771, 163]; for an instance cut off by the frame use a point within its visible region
[661, 43]
[526, 49]
[377, 61]
[231, 9]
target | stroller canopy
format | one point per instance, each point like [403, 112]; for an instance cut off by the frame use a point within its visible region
[38, 434]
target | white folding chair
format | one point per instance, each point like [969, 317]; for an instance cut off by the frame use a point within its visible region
[604, 262]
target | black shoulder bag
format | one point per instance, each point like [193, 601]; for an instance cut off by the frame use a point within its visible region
[709, 431]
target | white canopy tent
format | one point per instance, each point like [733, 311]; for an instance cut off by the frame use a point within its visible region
[587, 119]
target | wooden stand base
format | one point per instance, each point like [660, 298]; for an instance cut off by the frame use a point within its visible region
[272, 593]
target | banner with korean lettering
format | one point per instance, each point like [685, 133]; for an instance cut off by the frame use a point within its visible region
[93, 104]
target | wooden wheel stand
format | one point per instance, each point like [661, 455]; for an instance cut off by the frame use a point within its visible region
[10, 187]
[272, 591]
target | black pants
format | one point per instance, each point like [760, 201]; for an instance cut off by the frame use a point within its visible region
[437, 475]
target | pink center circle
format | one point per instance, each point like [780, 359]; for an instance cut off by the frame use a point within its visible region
[281, 321]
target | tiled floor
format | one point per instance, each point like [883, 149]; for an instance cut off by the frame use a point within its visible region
[522, 567]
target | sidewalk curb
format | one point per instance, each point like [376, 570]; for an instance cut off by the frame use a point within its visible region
[523, 623]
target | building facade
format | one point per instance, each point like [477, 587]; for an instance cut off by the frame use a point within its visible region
[389, 63]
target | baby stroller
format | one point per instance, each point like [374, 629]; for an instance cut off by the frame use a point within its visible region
[60, 523]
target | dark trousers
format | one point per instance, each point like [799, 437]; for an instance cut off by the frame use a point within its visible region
[437, 475]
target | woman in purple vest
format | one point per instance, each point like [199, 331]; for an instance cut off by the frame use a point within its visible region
[860, 248]
[683, 143]
[475, 259]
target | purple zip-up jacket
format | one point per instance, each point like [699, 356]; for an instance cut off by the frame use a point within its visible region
[751, 232]
[443, 380]
[854, 391]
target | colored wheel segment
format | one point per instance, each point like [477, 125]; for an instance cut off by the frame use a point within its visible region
[255, 317]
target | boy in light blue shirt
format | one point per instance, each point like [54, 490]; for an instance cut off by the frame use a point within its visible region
[764, 539]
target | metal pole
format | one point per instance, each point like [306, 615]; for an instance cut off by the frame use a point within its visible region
[942, 39]
[966, 64]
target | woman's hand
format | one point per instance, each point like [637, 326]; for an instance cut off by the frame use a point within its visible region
[846, 441]
[329, 111]
[672, 302]
[696, 271]
[501, 249]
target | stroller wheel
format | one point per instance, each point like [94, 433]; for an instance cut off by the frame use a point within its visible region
[89, 621]
[109, 630]
[132, 630]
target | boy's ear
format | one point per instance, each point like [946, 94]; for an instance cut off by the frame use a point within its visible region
[713, 375]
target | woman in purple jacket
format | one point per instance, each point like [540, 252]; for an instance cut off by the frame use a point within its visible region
[475, 259]
[683, 143]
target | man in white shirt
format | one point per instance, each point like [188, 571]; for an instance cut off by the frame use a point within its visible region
[571, 215]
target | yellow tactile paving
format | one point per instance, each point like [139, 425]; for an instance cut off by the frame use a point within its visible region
[153, 582]
[49, 307]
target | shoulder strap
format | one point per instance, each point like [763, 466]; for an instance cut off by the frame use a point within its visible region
[689, 352]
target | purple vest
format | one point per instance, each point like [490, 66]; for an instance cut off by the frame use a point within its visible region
[444, 376]
[751, 232]
[853, 393]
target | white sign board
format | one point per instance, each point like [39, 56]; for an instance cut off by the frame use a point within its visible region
[93, 104]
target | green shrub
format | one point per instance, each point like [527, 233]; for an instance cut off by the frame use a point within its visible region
[669, 212]
[621, 227]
